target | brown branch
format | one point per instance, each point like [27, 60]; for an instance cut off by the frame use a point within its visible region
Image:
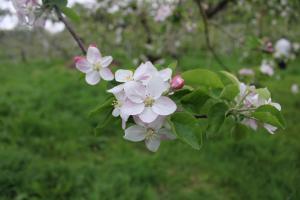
[211, 12]
[70, 29]
[206, 34]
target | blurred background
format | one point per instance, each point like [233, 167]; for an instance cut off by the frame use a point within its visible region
[51, 149]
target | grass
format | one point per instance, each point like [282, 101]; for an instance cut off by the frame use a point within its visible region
[49, 148]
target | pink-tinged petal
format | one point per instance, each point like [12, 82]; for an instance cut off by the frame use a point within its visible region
[93, 55]
[135, 91]
[250, 123]
[106, 74]
[153, 143]
[148, 115]
[83, 65]
[155, 87]
[116, 112]
[271, 129]
[105, 61]
[92, 77]
[164, 106]
[139, 122]
[131, 108]
[116, 89]
[177, 82]
[123, 76]
[157, 123]
[144, 71]
[166, 134]
[135, 133]
[165, 74]
[124, 118]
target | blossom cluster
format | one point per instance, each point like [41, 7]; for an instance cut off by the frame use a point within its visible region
[142, 94]
[248, 100]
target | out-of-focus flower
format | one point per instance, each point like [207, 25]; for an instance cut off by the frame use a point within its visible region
[295, 88]
[163, 12]
[296, 46]
[151, 133]
[267, 68]
[246, 72]
[177, 82]
[94, 66]
[283, 49]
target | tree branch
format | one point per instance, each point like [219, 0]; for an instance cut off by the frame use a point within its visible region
[207, 38]
[70, 29]
[217, 8]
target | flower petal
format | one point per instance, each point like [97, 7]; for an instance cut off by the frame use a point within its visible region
[116, 89]
[271, 129]
[83, 65]
[106, 74]
[131, 108]
[164, 106]
[116, 112]
[155, 87]
[153, 143]
[144, 71]
[106, 61]
[165, 74]
[148, 115]
[135, 91]
[92, 77]
[93, 55]
[166, 134]
[123, 75]
[157, 123]
[135, 133]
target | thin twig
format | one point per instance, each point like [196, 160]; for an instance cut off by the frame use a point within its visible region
[70, 29]
[207, 38]
[200, 116]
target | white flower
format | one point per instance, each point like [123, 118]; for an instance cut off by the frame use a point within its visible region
[147, 101]
[295, 89]
[271, 129]
[250, 123]
[95, 66]
[267, 68]
[246, 72]
[118, 107]
[152, 133]
[163, 13]
[283, 48]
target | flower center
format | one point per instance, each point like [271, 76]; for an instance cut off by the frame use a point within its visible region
[150, 133]
[97, 66]
[116, 103]
[149, 101]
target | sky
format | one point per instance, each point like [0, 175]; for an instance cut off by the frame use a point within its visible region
[9, 22]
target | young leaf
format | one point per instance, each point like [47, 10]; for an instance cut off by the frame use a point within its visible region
[107, 105]
[185, 126]
[202, 77]
[194, 100]
[230, 77]
[230, 92]
[69, 12]
[264, 93]
[270, 115]
[216, 117]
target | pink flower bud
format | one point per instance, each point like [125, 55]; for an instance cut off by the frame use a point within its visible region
[77, 58]
[177, 82]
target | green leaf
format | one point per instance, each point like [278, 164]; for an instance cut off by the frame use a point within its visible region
[186, 127]
[173, 65]
[104, 112]
[230, 77]
[69, 12]
[202, 77]
[103, 107]
[230, 92]
[270, 115]
[59, 3]
[264, 93]
[239, 131]
[216, 117]
[195, 100]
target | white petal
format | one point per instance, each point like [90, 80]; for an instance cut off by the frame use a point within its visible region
[271, 129]
[123, 75]
[116, 112]
[135, 133]
[276, 105]
[105, 61]
[250, 123]
[83, 65]
[164, 106]
[93, 55]
[153, 143]
[157, 123]
[144, 71]
[106, 74]
[124, 118]
[139, 122]
[131, 108]
[92, 77]
[148, 115]
[135, 91]
[155, 87]
[116, 89]
[166, 134]
[165, 74]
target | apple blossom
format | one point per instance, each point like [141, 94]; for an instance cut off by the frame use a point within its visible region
[177, 82]
[163, 12]
[246, 72]
[151, 133]
[295, 88]
[267, 68]
[283, 49]
[94, 66]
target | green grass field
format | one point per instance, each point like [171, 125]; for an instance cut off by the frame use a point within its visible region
[51, 150]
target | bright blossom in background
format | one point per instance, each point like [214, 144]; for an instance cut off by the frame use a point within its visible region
[94, 66]
[246, 72]
[267, 68]
[295, 88]
[163, 12]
